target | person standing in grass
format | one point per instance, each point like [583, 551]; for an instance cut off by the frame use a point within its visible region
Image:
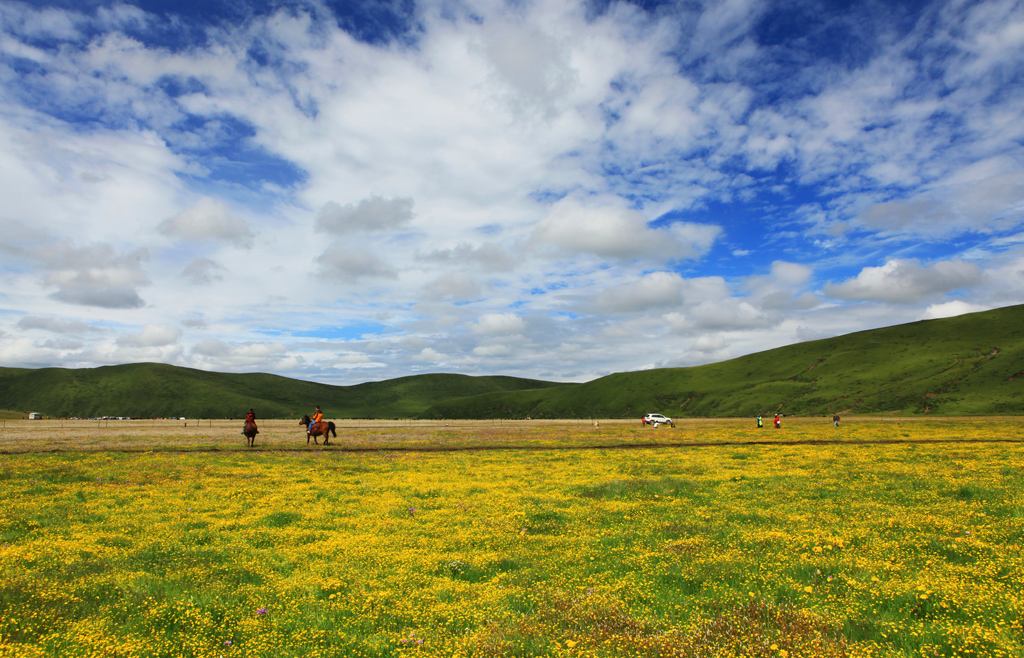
[778, 421]
[835, 420]
[760, 421]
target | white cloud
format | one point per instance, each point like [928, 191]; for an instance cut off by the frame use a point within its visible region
[951, 309]
[907, 281]
[532, 63]
[94, 275]
[62, 344]
[431, 355]
[23, 352]
[487, 256]
[499, 324]
[724, 23]
[606, 227]
[211, 347]
[453, 287]
[56, 325]
[208, 219]
[784, 288]
[67, 182]
[661, 108]
[202, 271]
[1004, 279]
[151, 336]
[790, 274]
[350, 262]
[657, 290]
[216, 354]
[492, 350]
[372, 214]
[983, 196]
[46, 23]
[722, 315]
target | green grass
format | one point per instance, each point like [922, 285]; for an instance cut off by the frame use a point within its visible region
[967, 365]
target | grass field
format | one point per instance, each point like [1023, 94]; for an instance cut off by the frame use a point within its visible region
[373, 435]
[160, 540]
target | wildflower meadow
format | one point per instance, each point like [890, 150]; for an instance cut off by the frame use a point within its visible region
[541, 548]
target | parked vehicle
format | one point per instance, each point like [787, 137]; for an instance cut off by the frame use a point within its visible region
[658, 419]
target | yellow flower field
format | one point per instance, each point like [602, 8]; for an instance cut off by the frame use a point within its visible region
[729, 550]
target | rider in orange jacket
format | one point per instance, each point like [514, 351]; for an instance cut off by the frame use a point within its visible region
[318, 416]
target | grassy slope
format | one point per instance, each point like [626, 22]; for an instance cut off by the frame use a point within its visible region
[151, 389]
[972, 364]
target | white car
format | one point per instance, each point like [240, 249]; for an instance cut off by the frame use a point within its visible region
[658, 419]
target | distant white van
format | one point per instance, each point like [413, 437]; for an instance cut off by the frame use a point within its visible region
[35, 415]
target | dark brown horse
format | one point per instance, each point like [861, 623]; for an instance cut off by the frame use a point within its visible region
[250, 432]
[324, 428]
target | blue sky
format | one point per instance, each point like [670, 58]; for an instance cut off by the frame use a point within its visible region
[351, 191]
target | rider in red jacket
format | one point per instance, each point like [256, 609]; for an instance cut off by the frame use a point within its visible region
[250, 417]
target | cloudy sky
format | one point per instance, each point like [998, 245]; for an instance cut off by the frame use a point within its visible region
[345, 191]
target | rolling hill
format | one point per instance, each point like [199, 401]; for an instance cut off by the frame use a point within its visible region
[971, 364]
[155, 390]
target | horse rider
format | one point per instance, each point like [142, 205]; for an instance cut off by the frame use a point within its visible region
[318, 416]
[250, 417]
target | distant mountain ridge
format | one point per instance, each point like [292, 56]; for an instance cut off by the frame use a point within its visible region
[970, 364]
[145, 390]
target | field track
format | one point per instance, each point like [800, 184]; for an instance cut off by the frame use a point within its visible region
[333, 448]
[366, 436]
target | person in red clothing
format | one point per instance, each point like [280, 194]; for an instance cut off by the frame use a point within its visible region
[778, 421]
[250, 422]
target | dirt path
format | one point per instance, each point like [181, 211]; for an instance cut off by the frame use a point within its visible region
[341, 449]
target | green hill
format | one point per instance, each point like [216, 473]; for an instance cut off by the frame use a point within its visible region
[971, 364]
[155, 390]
